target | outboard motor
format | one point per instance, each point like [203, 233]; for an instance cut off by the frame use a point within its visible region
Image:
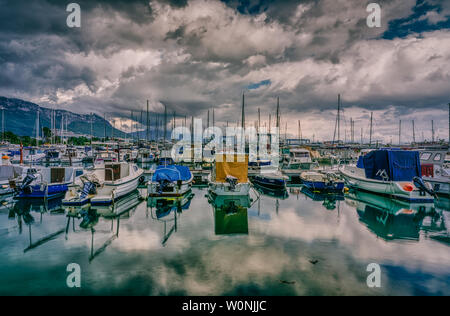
[88, 188]
[418, 182]
[26, 187]
[232, 181]
[162, 185]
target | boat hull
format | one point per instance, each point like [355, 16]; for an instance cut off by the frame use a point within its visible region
[110, 192]
[38, 191]
[222, 189]
[172, 191]
[273, 184]
[323, 186]
[353, 178]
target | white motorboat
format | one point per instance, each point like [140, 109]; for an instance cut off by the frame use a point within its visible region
[299, 160]
[104, 184]
[435, 171]
[395, 173]
[145, 156]
[229, 178]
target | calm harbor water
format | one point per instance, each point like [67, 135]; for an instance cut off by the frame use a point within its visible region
[300, 244]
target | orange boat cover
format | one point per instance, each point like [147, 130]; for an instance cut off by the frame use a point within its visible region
[238, 169]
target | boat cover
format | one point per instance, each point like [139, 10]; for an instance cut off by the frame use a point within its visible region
[237, 169]
[171, 173]
[360, 163]
[400, 165]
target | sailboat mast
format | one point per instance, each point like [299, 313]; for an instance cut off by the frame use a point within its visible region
[371, 124]
[165, 126]
[432, 131]
[243, 112]
[146, 125]
[339, 119]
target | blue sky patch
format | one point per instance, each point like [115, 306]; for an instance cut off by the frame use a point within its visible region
[416, 22]
[257, 85]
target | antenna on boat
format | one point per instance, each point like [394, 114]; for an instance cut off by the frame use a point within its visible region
[399, 131]
[414, 132]
[371, 128]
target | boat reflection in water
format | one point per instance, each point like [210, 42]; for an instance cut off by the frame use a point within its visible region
[329, 199]
[167, 211]
[89, 216]
[390, 219]
[23, 210]
[277, 194]
[230, 214]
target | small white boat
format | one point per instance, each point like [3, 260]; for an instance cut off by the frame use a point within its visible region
[105, 184]
[388, 172]
[229, 178]
[145, 156]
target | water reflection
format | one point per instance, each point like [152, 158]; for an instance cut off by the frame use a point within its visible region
[288, 244]
[161, 209]
[329, 200]
[23, 211]
[88, 217]
[230, 214]
[393, 220]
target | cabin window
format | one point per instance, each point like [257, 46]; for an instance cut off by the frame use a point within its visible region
[78, 173]
[425, 156]
[437, 157]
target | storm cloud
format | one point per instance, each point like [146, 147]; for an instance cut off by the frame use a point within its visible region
[192, 56]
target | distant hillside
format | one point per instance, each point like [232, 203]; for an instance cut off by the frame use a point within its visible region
[20, 118]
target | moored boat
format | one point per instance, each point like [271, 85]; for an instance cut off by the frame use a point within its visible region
[435, 171]
[229, 177]
[46, 182]
[319, 181]
[170, 180]
[273, 181]
[395, 173]
[104, 184]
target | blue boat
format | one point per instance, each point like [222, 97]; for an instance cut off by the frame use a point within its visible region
[46, 182]
[272, 181]
[321, 182]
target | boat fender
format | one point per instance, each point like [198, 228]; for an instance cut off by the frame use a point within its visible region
[141, 179]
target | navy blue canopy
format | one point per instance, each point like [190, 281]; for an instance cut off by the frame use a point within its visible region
[400, 165]
[171, 173]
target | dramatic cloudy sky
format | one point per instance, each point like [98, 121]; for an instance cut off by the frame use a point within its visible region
[195, 55]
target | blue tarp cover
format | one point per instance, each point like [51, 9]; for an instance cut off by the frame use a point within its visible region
[360, 163]
[171, 173]
[400, 165]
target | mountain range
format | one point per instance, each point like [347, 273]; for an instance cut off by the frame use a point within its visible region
[20, 118]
